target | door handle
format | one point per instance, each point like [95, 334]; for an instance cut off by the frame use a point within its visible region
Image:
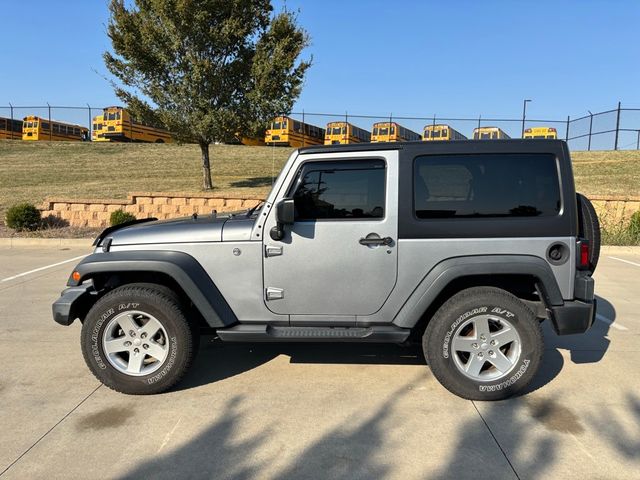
[376, 241]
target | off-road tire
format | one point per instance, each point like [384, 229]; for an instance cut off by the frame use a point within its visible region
[450, 319]
[589, 228]
[164, 306]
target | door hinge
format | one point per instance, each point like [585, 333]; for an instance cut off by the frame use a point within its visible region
[274, 293]
[272, 250]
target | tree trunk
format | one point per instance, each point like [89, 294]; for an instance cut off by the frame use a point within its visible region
[207, 184]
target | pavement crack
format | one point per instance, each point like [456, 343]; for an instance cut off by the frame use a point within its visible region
[496, 440]
[50, 430]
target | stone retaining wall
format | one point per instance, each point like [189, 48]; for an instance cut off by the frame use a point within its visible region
[612, 211]
[615, 211]
[96, 213]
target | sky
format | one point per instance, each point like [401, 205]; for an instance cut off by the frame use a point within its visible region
[406, 58]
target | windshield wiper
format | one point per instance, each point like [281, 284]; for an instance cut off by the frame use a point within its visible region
[253, 209]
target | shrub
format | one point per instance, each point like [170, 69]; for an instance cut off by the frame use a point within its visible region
[634, 227]
[23, 216]
[120, 216]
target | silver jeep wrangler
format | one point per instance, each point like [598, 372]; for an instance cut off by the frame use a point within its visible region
[465, 246]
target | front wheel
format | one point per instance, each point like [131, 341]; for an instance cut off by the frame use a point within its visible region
[484, 344]
[136, 340]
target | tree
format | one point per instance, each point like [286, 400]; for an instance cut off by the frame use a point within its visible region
[208, 70]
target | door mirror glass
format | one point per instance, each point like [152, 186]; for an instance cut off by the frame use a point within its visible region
[285, 211]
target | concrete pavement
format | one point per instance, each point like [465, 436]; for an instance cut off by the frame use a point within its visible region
[313, 411]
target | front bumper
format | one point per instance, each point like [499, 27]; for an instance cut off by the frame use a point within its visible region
[576, 316]
[73, 303]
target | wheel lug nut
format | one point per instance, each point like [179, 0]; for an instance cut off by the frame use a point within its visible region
[132, 333]
[136, 350]
[491, 353]
[493, 342]
[145, 346]
[143, 335]
[480, 355]
[474, 345]
[483, 338]
[127, 343]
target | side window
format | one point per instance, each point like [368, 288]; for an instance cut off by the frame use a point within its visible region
[492, 185]
[345, 190]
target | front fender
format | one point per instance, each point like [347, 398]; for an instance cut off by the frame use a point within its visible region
[181, 267]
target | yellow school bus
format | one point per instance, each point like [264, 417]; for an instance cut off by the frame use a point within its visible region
[441, 132]
[38, 128]
[541, 132]
[287, 132]
[489, 133]
[116, 125]
[392, 132]
[344, 132]
[10, 129]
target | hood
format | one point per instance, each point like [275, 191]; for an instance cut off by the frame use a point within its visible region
[205, 228]
[180, 230]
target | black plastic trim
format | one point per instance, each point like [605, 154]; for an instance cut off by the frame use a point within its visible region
[573, 317]
[71, 302]
[268, 333]
[181, 267]
[452, 269]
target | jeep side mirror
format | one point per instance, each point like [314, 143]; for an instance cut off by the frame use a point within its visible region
[285, 211]
[285, 215]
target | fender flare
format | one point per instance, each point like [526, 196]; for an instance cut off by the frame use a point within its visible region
[185, 270]
[454, 268]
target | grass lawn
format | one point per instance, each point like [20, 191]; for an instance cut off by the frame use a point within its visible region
[31, 171]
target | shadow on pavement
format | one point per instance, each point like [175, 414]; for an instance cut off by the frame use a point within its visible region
[591, 346]
[217, 360]
[345, 452]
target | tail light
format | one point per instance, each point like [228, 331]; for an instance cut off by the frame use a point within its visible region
[583, 254]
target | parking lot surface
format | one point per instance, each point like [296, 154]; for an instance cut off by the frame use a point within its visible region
[313, 411]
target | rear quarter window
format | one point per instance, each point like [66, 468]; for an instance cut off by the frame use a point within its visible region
[486, 185]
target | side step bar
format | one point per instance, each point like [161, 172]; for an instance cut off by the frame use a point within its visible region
[267, 333]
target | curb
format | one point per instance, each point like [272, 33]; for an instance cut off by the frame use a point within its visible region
[12, 242]
[619, 249]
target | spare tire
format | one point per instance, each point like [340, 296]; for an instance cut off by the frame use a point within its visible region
[589, 228]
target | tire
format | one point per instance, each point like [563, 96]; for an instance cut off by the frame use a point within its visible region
[589, 228]
[153, 344]
[505, 320]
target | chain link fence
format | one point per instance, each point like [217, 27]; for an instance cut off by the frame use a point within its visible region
[616, 129]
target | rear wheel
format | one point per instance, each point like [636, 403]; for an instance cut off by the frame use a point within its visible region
[589, 228]
[483, 344]
[137, 340]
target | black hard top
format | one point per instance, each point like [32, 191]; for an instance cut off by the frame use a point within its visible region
[441, 147]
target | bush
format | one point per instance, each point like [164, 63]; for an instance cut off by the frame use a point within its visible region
[23, 216]
[634, 227]
[120, 216]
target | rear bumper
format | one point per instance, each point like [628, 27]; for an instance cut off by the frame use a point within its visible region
[73, 303]
[576, 316]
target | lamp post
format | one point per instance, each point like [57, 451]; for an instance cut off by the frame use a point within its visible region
[524, 115]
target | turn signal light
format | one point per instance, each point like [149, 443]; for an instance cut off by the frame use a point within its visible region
[75, 276]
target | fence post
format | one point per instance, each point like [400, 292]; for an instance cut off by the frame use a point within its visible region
[90, 121]
[479, 120]
[11, 108]
[590, 129]
[615, 146]
[50, 125]
[566, 136]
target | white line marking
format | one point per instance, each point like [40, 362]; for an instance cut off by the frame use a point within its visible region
[169, 435]
[626, 261]
[616, 325]
[41, 268]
